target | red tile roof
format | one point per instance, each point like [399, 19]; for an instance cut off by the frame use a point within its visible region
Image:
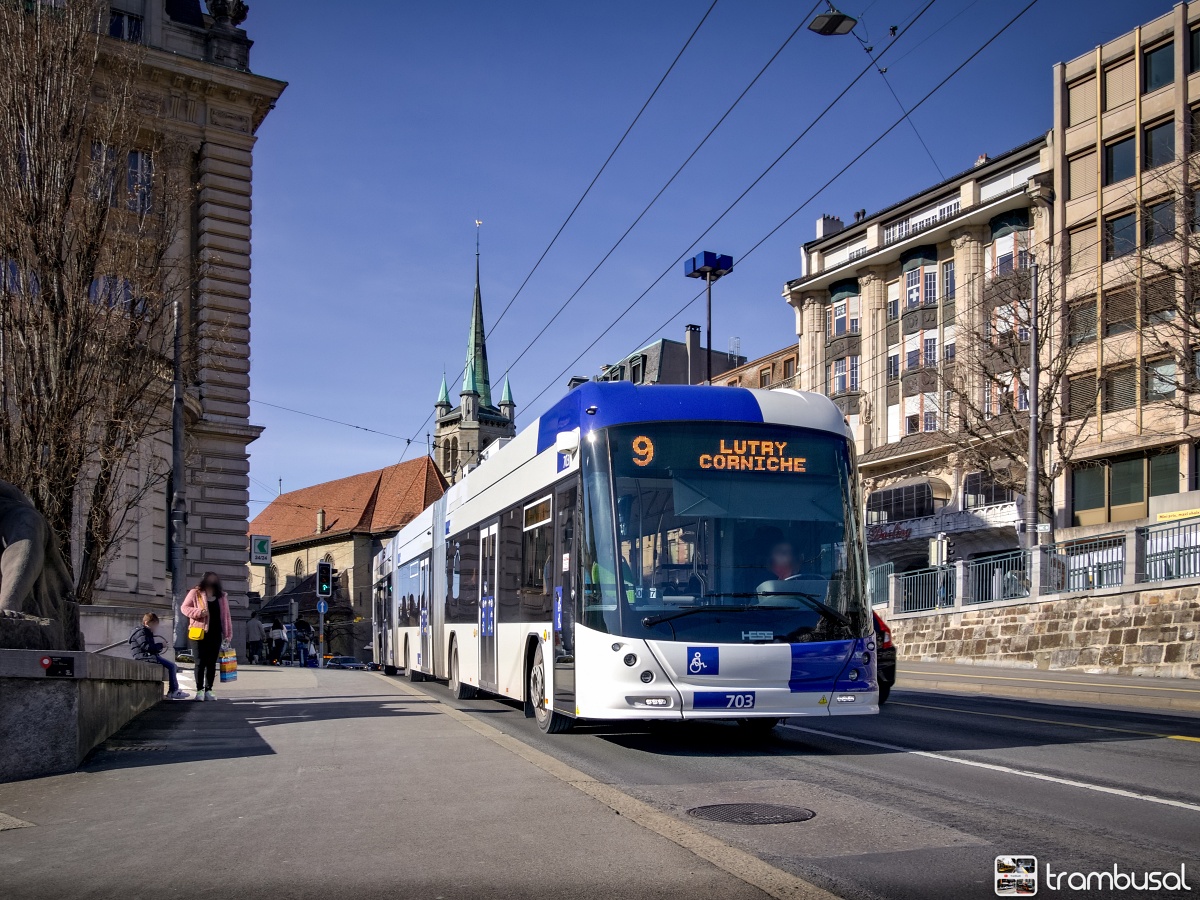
[370, 503]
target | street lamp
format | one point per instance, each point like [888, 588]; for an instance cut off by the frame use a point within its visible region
[710, 267]
[832, 23]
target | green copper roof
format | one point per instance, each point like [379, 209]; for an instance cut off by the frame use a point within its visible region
[475, 378]
[444, 393]
[506, 394]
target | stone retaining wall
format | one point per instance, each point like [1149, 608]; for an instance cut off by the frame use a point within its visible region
[1150, 632]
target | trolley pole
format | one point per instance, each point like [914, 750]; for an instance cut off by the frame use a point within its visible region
[1031, 468]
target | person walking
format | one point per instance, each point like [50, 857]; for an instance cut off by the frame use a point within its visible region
[278, 636]
[255, 633]
[207, 607]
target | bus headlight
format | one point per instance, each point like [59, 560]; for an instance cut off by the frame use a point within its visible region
[630, 659]
[853, 676]
[647, 677]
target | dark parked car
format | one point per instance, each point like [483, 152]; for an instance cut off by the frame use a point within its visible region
[885, 658]
[345, 662]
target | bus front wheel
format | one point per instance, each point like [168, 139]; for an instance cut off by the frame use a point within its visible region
[549, 721]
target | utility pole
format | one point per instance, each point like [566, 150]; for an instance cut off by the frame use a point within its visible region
[709, 266]
[1031, 468]
[708, 280]
[178, 481]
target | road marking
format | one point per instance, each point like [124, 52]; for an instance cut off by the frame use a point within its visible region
[1007, 770]
[738, 863]
[1135, 687]
[973, 712]
[9, 822]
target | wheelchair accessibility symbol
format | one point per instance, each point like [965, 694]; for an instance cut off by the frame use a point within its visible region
[703, 661]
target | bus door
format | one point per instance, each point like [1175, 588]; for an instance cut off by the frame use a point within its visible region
[487, 607]
[426, 658]
[566, 559]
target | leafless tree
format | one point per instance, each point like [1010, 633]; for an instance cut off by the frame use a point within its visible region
[92, 197]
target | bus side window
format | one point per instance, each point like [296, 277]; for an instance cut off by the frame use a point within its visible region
[508, 599]
[462, 563]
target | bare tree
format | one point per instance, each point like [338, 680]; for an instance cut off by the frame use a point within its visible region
[92, 198]
[986, 388]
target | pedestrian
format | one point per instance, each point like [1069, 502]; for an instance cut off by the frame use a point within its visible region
[304, 633]
[278, 637]
[255, 632]
[207, 607]
[150, 647]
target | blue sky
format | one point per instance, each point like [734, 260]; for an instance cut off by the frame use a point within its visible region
[404, 122]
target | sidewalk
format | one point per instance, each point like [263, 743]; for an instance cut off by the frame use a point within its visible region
[299, 783]
[1079, 687]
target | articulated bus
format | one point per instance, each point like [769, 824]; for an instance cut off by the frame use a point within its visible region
[653, 552]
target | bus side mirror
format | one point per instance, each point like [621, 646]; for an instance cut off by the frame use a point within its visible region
[566, 443]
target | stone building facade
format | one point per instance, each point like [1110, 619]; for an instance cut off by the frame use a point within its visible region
[195, 68]
[775, 370]
[667, 361]
[879, 310]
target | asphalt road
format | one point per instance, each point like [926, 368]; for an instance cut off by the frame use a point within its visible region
[917, 802]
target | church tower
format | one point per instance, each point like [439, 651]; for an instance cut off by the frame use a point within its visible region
[461, 433]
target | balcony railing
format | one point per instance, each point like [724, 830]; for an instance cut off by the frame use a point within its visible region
[1172, 550]
[925, 589]
[1003, 577]
[1083, 565]
[877, 582]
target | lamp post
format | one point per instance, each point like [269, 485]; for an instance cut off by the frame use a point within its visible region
[709, 266]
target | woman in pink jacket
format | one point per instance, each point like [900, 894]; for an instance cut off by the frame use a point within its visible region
[207, 607]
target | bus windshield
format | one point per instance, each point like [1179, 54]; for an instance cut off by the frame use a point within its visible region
[721, 532]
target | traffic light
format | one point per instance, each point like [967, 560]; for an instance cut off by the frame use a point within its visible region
[324, 579]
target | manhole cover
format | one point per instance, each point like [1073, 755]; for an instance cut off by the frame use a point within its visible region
[751, 813]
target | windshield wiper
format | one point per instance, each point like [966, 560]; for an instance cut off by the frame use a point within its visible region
[667, 617]
[818, 604]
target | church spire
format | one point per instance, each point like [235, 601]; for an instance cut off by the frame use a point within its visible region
[475, 378]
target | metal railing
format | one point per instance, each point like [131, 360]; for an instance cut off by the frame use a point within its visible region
[1083, 565]
[1172, 550]
[877, 581]
[925, 589]
[1002, 577]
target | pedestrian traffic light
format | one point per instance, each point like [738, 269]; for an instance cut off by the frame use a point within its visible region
[324, 579]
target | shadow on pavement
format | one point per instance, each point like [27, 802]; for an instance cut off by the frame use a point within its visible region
[922, 720]
[187, 731]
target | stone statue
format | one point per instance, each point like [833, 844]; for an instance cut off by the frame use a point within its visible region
[37, 609]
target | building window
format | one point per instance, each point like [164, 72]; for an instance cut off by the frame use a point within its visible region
[1120, 236]
[1022, 397]
[948, 284]
[930, 286]
[838, 380]
[853, 373]
[1159, 148]
[1120, 312]
[764, 378]
[125, 26]
[912, 424]
[948, 353]
[913, 359]
[931, 351]
[893, 366]
[1160, 379]
[1160, 223]
[1115, 490]
[912, 288]
[1119, 87]
[980, 489]
[1194, 52]
[893, 309]
[1081, 396]
[931, 421]
[1119, 160]
[913, 501]
[1158, 67]
[635, 370]
[789, 368]
[1081, 322]
[298, 569]
[1082, 246]
[987, 401]
[1120, 389]
[139, 181]
[839, 319]
[1081, 176]
[1081, 102]
[1158, 299]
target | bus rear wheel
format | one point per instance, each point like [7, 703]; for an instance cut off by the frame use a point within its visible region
[459, 690]
[549, 721]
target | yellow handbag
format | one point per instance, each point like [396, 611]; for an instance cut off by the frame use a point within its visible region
[196, 633]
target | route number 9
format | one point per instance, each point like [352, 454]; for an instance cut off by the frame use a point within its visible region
[643, 451]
